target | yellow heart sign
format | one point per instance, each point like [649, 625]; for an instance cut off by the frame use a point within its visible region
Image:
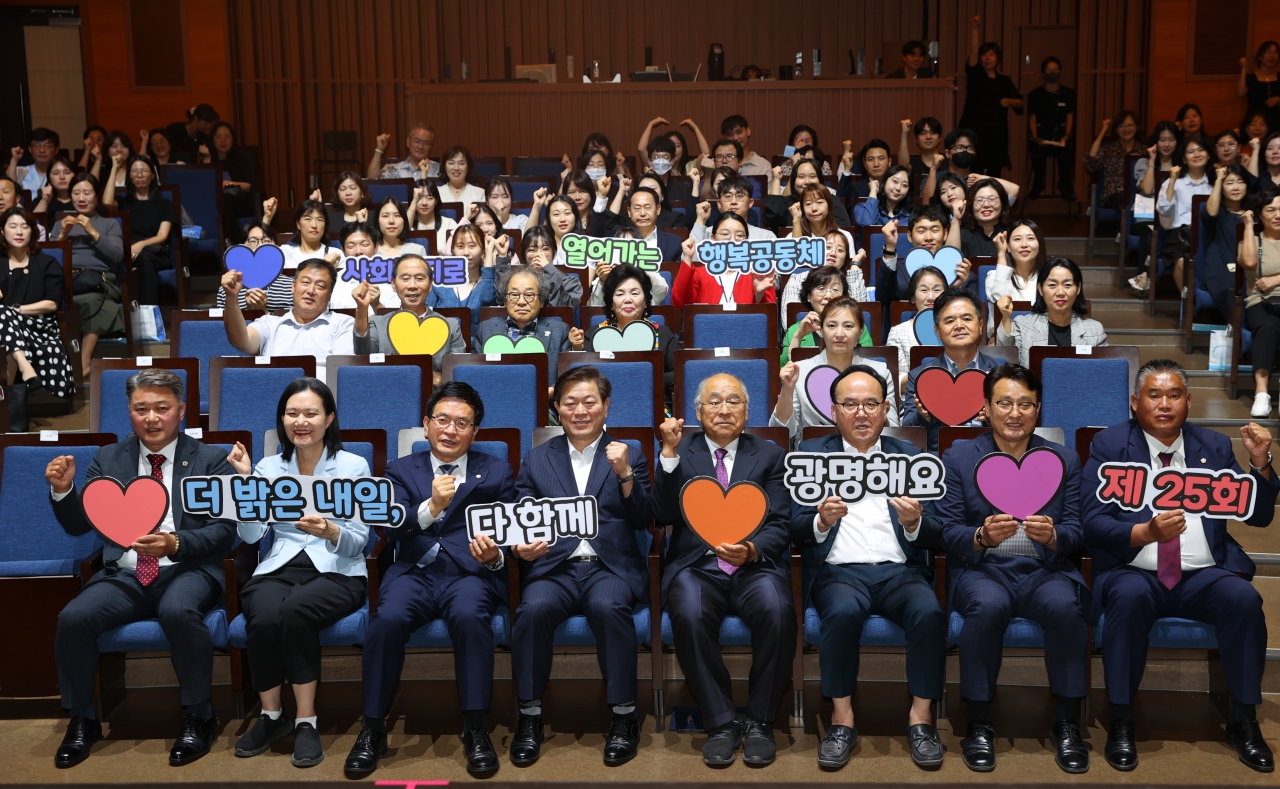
[409, 336]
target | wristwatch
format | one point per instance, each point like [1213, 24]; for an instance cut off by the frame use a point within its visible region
[626, 479]
[978, 536]
[1260, 468]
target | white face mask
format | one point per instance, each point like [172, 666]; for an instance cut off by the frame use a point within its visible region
[660, 166]
[595, 173]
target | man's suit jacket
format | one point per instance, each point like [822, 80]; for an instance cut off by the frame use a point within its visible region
[963, 510]
[1107, 527]
[757, 461]
[815, 553]
[203, 541]
[546, 472]
[488, 480]
[669, 243]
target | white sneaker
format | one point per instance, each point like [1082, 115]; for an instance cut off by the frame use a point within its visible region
[1261, 406]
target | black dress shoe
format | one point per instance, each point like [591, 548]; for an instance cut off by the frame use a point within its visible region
[193, 741]
[623, 741]
[526, 743]
[758, 745]
[81, 734]
[1121, 752]
[926, 748]
[363, 758]
[1246, 738]
[1071, 754]
[482, 759]
[836, 747]
[978, 748]
[721, 747]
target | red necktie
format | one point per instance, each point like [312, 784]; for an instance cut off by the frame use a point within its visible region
[149, 566]
[1169, 561]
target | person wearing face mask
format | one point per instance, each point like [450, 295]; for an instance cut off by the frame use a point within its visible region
[411, 278]
[151, 221]
[988, 98]
[1173, 206]
[97, 250]
[841, 323]
[630, 298]
[1107, 156]
[1056, 317]
[1051, 117]
[662, 158]
[926, 285]
[961, 151]
[1020, 254]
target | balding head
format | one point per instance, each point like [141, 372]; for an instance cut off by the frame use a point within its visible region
[722, 403]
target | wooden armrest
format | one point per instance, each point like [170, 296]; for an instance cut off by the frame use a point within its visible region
[90, 565]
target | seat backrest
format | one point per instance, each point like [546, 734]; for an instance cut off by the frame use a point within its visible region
[28, 529]
[730, 330]
[382, 188]
[247, 398]
[1083, 391]
[637, 395]
[112, 404]
[510, 396]
[201, 194]
[536, 165]
[982, 282]
[203, 340]
[362, 394]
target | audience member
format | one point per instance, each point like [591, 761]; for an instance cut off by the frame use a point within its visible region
[119, 144]
[97, 252]
[359, 241]
[55, 196]
[928, 134]
[524, 291]
[1219, 252]
[538, 249]
[1057, 316]
[1021, 253]
[777, 204]
[426, 209]
[237, 173]
[1107, 156]
[411, 278]
[926, 229]
[915, 62]
[351, 199]
[1259, 86]
[874, 160]
[924, 287]
[804, 144]
[191, 135]
[889, 199]
[159, 147]
[684, 162]
[1162, 156]
[392, 222]
[497, 195]
[470, 243]
[417, 146]
[1260, 257]
[988, 97]
[279, 294]
[1173, 206]
[693, 285]
[987, 215]
[1051, 119]
[91, 155]
[627, 296]
[736, 128]
[151, 222]
[42, 145]
[838, 257]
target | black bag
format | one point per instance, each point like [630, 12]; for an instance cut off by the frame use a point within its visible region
[87, 280]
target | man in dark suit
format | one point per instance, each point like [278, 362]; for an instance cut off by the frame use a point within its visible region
[603, 579]
[958, 318]
[439, 574]
[174, 574]
[871, 557]
[702, 583]
[643, 208]
[999, 568]
[1176, 564]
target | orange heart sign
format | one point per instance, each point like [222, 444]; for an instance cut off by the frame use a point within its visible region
[719, 516]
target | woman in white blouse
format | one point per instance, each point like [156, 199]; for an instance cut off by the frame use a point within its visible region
[926, 285]
[392, 221]
[458, 187]
[426, 204]
[1020, 253]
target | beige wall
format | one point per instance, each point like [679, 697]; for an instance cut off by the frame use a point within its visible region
[56, 78]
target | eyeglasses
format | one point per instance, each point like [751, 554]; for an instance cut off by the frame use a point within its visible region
[734, 195]
[253, 241]
[419, 142]
[42, 146]
[869, 407]
[462, 424]
[963, 149]
[986, 201]
[1023, 406]
[829, 290]
[516, 298]
[715, 404]
[725, 157]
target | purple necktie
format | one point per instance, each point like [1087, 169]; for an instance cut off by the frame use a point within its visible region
[722, 476]
[1169, 561]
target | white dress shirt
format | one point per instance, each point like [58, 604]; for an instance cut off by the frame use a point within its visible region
[1177, 212]
[866, 533]
[669, 465]
[129, 559]
[1195, 546]
[581, 464]
[425, 518]
[329, 334]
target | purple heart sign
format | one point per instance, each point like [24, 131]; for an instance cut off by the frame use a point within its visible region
[259, 267]
[817, 387]
[1020, 489]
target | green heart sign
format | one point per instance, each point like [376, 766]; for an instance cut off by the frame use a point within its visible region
[501, 343]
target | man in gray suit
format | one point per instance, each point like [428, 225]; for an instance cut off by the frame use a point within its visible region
[173, 574]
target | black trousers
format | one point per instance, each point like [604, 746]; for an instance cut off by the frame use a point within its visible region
[1065, 157]
[845, 595]
[698, 600]
[149, 262]
[576, 588]
[179, 597]
[1263, 319]
[285, 611]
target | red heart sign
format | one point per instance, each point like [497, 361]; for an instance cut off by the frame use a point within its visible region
[123, 514]
[719, 516]
[952, 401]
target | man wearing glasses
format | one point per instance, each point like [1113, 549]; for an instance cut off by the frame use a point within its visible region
[871, 557]
[1000, 567]
[43, 146]
[703, 583]
[439, 574]
[418, 145]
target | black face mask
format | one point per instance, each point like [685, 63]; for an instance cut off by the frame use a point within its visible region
[964, 159]
[1052, 77]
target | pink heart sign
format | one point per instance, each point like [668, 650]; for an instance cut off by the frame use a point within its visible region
[123, 513]
[817, 387]
[1020, 489]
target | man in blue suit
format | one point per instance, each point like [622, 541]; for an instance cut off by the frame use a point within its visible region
[602, 579]
[1176, 564]
[702, 583]
[957, 317]
[174, 574]
[871, 557]
[439, 574]
[999, 568]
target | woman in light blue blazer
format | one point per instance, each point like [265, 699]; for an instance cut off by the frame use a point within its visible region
[312, 577]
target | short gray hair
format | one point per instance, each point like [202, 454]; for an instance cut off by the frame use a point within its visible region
[544, 282]
[154, 376]
[1157, 366]
[424, 127]
[702, 389]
